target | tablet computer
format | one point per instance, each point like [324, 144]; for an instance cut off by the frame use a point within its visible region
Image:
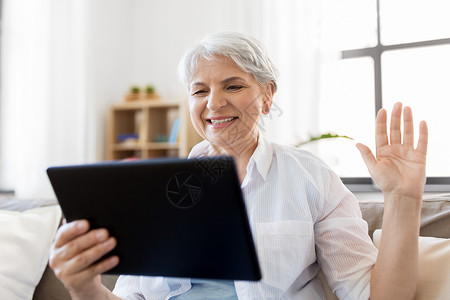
[171, 217]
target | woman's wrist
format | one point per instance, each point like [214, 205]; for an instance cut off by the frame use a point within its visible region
[402, 201]
[402, 214]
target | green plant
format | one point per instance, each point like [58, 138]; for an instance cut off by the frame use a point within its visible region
[135, 89]
[149, 89]
[327, 135]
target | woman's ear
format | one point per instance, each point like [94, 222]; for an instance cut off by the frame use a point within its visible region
[269, 91]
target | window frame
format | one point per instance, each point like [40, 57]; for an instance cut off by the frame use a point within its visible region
[366, 184]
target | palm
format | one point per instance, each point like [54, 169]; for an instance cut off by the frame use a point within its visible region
[398, 167]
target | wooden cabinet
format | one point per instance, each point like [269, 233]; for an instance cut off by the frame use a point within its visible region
[147, 129]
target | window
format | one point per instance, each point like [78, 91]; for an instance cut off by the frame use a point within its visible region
[390, 51]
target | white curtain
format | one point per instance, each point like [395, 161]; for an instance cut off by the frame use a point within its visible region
[291, 30]
[59, 75]
[44, 104]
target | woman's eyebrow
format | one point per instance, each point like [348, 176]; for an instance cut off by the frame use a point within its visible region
[198, 83]
[227, 80]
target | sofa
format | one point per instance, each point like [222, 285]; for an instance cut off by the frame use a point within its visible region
[434, 247]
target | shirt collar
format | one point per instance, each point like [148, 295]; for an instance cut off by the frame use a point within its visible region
[262, 157]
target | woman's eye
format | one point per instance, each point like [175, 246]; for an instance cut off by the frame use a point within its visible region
[199, 92]
[235, 87]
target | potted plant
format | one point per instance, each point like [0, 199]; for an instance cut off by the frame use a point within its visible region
[134, 94]
[327, 135]
[150, 92]
[322, 141]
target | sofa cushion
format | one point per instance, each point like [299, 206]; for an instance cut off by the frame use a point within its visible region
[435, 220]
[435, 217]
[26, 239]
[434, 267]
[49, 286]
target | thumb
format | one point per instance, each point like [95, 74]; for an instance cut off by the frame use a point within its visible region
[367, 156]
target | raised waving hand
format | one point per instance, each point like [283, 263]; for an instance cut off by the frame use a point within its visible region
[399, 167]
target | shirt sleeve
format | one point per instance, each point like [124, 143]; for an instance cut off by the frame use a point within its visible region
[344, 249]
[128, 288]
[150, 287]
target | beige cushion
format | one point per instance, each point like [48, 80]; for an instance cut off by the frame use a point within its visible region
[26, 238]
[49, 286]
[435, 218]
[434, 267]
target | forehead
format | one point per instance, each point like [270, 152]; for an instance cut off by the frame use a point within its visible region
[217, 68]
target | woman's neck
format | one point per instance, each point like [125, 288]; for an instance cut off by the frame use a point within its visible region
[241, 158]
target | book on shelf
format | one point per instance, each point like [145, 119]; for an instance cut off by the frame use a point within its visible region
[128, 138]
[173, 137]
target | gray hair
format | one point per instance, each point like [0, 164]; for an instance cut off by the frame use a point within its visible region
[248, 53]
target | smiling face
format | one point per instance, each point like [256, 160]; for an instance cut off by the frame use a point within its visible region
[225, 103]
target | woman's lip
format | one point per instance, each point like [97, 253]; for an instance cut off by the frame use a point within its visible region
[220, 125]
[220, 118]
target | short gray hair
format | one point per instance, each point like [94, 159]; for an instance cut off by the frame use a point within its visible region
[247, 52]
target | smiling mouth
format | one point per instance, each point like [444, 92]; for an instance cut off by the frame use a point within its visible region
[221, 121]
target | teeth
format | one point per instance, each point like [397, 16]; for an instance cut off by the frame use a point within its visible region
[221, 121]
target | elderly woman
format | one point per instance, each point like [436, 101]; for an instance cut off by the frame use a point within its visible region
[302, 216]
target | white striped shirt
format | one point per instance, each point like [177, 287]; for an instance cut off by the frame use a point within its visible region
[303, 219]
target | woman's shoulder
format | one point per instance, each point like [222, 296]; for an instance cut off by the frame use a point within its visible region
[200, 149]
[293, 155]
[300, 163]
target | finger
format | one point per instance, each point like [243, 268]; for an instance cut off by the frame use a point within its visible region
[82, 243]
[408, 127]
[367, 156]
[98, 268]
[422, 144]
[104, 265]
[381, 138]
[395, 133]
[70, 231]
[90, 256]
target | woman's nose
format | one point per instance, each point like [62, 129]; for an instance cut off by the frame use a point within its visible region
[216, 101]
